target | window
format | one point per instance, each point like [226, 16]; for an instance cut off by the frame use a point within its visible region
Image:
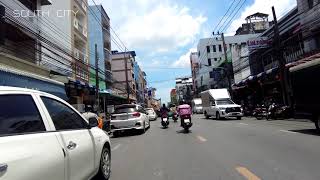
[214, 48]
[199, 53]
[63, 117]
[215, 59]
[208, 49]
[19, 114]
[220, 48]
[310, 4]
[209, 62]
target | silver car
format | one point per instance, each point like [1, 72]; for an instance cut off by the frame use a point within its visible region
[129, 117]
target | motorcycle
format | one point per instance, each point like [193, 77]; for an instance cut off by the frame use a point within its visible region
[164, 121]
[175, 117]
[276, 111]
[260, 112]
[186, 122]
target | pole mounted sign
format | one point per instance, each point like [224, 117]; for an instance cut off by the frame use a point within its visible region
[258, 43]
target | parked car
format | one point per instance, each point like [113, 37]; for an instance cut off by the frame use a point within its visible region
[44, 137]
[129, 117]
[196, 105]
[218, 103]
[151, 114]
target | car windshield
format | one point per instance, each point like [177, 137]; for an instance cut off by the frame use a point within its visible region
[224, 102]
[124, 110]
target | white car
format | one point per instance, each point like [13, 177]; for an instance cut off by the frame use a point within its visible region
[44, 137]
[224, 108]
[128, 117]
[151, 114]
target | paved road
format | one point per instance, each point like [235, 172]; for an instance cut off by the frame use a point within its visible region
[219, 150]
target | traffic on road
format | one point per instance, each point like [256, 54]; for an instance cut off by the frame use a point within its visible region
[159, 90]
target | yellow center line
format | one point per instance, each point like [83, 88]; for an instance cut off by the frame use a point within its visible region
[247, 174]
[202, 139]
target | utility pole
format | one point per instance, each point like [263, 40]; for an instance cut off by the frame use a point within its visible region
[226, 67]
[2, 24]
[282, 66]
[127, 79]
[97, 76]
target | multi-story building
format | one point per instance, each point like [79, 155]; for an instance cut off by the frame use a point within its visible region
[184, 89]
[309, 11]
[67, 26]
[124, 82]
[140, 82]
[20, 52]
[212, 60]
[194, 62]
[99, 35]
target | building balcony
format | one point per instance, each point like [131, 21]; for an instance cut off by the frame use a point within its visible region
[107, 55]
[80, 27]
[81, 56]
[108, 75]
[82, 5]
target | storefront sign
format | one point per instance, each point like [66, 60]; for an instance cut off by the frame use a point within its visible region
[258, 43]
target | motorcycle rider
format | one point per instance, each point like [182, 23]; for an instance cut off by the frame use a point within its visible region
[164, 111]
[182, 103]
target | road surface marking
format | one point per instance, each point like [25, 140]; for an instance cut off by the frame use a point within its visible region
[247, 174]
[202, 139]
[116, 147]
[288, 131]
[244, 124]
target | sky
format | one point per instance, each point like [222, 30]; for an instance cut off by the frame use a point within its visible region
[163, 33]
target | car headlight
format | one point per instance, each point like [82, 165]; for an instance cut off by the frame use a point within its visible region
[222, 108]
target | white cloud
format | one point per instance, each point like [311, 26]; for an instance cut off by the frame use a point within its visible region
[184, 60]
[263, 6]
[153, 25]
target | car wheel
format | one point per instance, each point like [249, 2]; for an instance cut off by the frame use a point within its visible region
[105, 164]
[206, 115]
[144, 128]
[218, 116]
[317, 123]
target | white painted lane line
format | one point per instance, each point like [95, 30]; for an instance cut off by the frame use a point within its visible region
[288, 131]
[202, 139]
[116, 147]
[244, 124]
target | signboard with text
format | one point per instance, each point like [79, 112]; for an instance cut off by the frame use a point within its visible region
[258, 43]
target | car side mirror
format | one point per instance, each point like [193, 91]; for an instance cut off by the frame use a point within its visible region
[93, 122]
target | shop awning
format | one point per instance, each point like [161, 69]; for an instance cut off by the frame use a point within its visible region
[17, 78]
[304, 63]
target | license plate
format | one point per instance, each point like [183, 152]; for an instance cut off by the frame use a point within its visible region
[165, 119]
[187, 120]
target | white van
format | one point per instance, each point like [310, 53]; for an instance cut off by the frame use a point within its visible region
[218, 103]
[196, 105]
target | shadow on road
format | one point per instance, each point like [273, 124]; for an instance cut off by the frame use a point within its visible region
[313, 132]
[182, 131]
[228, 119]
[126, 134]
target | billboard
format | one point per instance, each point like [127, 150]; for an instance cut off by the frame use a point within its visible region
[258, 43]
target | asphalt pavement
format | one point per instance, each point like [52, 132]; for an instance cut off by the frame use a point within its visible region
[219, 150]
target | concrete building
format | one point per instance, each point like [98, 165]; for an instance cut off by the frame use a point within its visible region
[141, 83]
[173, 96]
[67, 26]
[20, 49]
[194, 62]
[255, 23]
[184, 89]
[123, 74]
[309, 11]
[212, 60]
[99, 34]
